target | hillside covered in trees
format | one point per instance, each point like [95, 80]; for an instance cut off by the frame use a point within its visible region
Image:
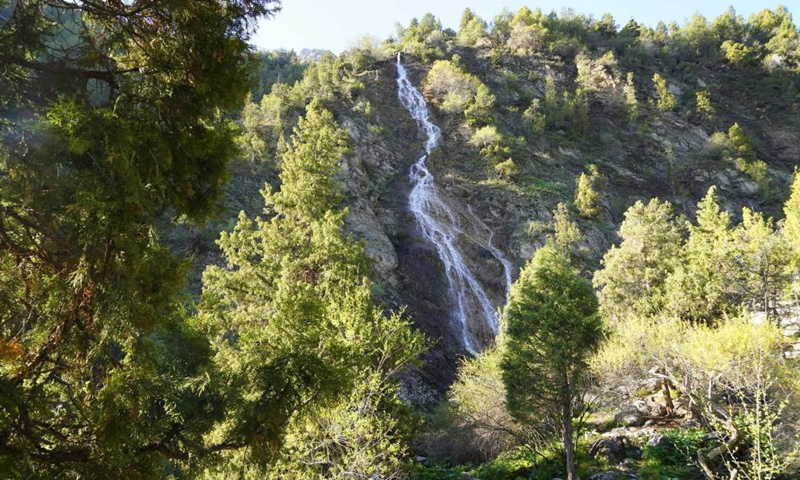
[541, 246]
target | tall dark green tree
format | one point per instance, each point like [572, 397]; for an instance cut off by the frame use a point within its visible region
[111, 116]
[552, 329]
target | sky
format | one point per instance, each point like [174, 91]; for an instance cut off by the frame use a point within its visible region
[336, 25]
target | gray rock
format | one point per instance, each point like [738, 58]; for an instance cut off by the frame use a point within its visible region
[659, 440]
[630, 417]
[609, 449]
[364, 224]
[604, 476]
[674, 89]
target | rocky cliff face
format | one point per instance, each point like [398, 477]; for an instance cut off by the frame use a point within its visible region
[668, 155]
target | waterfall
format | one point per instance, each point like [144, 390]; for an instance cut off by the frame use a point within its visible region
[440, 225]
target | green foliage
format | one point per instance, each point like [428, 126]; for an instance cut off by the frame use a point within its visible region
[673, 459]
[737, 54]
[506, 170]
[666, 100]
[703, 105]
[698, 290]
[328, 78]
[459, 93]
[566, 111]
[423, 38]
[634, 274]
[471, 30]
[587, 199]
[566, 232]
[791, 226]
[485, 136]
[552, 329]
[534, 117]
[739, 148]
[629, 90]
[477, 424]
[113, 113]
[759, 273]
[528, 32]
[512, 465]
[274, 67]
[294, 328]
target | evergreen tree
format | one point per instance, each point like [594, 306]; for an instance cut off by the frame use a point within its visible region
[294, 328]
[471, 29]
[634, 274]
[791, 226]
[630, 97]
[553, 327]
[666, 101]
[566, 232]
[697, 290]
[587, 199]
[760, 275]
[112, 115]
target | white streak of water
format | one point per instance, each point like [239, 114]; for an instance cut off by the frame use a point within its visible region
[439, 224]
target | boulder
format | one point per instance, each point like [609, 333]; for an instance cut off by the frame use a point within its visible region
[658, 440]
[630, 417]
[604, 476]
[609, 449]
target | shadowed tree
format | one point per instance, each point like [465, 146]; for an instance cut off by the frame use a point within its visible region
[112, 114]
[553, 328]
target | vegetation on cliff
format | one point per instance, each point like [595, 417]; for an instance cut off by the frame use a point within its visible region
[158, 320]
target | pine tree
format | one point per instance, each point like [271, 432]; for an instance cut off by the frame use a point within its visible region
[587, 199]
[697, 290]
[791, 226]
[634, 274]
[666, 101]
[630, 97]
[553, 328]
[760, 275]
[471, 29]
[291, 318]
[113, 114]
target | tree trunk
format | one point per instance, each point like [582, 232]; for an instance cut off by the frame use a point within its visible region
[569, 447]
[667, 397]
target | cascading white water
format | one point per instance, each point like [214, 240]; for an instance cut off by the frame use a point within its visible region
[440, 225]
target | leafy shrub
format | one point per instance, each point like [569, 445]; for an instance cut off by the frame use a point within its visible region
[459, 93]
[673, 459]
[666, 101]
[506, 170]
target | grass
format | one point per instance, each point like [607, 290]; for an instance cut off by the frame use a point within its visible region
[518, 464]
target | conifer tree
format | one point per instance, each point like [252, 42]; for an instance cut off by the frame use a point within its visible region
[634, 274]
[630, 97]
[698, 289]
[471, 29]
[791, 226]
[553, 327]
[113, 113]
[760, 275]
[666, 101]
[587, 198]
[291, 318]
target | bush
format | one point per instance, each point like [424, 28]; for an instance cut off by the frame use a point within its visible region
[485, 136]
[506, 170]
[459, 93]
[666, 101]
[587, 199]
